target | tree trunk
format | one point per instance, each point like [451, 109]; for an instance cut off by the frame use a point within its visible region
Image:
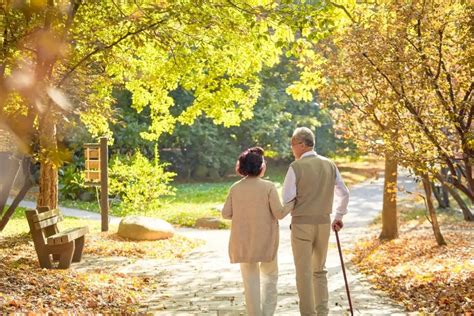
[445, 195]
[8, 172]
[444, 188]
[431, 210]
[48, 184]
[468, 216]
[389, 211]
[19, 197]
[440, 195]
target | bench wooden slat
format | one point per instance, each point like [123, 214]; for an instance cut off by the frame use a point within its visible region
[45, 215]
[67, 235]
[48, 222]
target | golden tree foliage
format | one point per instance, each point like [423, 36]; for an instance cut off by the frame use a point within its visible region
[400, 77]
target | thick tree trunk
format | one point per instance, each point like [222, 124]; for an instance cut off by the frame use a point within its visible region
[48, 184]
[389, 211]
[431, 210]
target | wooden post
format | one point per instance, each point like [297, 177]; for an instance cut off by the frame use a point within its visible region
[104, 184]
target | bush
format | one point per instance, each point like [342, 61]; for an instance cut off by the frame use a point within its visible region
[139, 182]
[71, 183]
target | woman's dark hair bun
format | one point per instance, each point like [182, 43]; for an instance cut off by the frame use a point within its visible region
[251, 161]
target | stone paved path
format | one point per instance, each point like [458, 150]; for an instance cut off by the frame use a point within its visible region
[206, 283]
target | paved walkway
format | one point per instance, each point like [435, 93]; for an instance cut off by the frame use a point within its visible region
[206, 283]
[71, 212]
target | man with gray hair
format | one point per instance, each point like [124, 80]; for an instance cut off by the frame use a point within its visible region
[315, 182]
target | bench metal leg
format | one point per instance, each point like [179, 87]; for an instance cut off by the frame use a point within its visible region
[79, 247]
[66, 256]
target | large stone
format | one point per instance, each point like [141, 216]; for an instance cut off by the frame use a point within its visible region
[144, 228]
[209, 222]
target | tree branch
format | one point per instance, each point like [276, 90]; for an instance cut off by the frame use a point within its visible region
[389, 81]
[343, 8]
[242, 9]
[451, 89]
[119, 9]
[411, 109]
[466, 101]
[429, 72]
[106, 47]
[440, 54]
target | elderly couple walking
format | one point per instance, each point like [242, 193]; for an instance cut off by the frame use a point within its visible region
[253, 204]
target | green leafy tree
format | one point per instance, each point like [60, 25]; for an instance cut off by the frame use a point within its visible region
[63, 58]
[205, 149]
[81, 49]
[128, 126]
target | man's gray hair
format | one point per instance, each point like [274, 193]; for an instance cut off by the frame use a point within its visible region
[304, 135]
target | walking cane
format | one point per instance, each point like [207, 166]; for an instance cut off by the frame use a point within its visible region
[344, 272]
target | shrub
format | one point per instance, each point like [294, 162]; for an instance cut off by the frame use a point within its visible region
[139, 182]
[71, 183]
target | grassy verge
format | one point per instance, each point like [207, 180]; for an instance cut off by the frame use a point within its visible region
[203, 199]
[417, 272]
[25, 287]
[191, 202]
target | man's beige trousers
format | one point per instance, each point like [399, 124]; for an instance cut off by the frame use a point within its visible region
[310, 247]
[262, 301]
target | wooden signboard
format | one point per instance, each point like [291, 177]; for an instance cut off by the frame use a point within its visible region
[92, 164]
[96, 174]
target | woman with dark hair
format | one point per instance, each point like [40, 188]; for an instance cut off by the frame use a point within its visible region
[254, 207]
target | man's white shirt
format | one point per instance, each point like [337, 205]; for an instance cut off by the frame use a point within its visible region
[341, 193]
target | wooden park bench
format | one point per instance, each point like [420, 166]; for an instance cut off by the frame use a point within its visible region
[51, 244]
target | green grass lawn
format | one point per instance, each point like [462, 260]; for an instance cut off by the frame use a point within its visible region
[191, 202]
[194, 200]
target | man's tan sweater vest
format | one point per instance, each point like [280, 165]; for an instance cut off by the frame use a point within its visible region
[315, 181]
